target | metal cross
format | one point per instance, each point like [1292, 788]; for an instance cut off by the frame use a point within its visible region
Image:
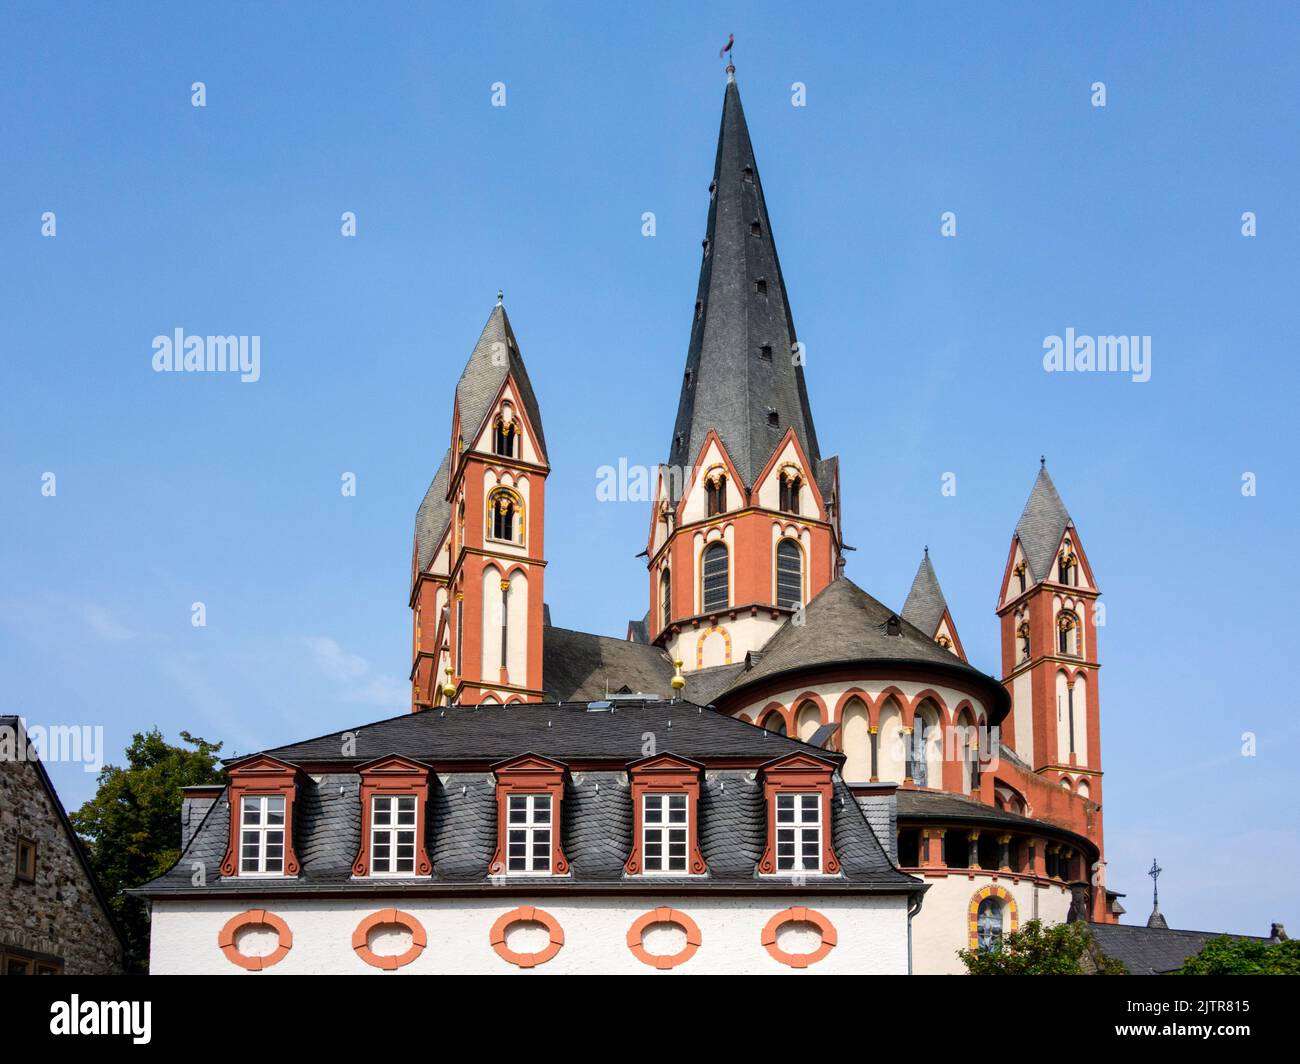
[1154, 872]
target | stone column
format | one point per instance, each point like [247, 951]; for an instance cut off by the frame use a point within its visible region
[1004, 853]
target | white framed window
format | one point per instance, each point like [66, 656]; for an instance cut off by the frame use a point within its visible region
[799, 832]
[261, 835]
[664, 832]
[528, 834]
[392, 835]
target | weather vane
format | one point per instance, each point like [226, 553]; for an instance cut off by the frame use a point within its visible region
[1154, 872]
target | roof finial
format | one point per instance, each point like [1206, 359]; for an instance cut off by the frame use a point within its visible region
[1042, 461]
[927, 550]
[731, 67]
[500, 296]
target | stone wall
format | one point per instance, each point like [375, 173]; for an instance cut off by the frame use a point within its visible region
[59, 914]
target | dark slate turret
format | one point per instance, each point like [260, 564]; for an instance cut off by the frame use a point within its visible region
[925, 605]
[494, 356]
[741, 380]
[1042, 525]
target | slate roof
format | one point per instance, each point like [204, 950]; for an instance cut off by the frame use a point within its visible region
[728, 387]
[433, 516]
[483, 376]
[579, 665]
[925, 605]
[845, 625]
[957, 808]
[1150, 950]
[596, 814]
[1042, 525]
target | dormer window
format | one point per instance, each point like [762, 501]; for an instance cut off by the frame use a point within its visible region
[765, 352]
[755, 229]
[760, 288]
[529, 824]
[665, 799]
[261, 796]
[748, 175]
[791, 485]
[530, 790]
[261, 835]
[798, 793]
[715, 492]
[394, 795]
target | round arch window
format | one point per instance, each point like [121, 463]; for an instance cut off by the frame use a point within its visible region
[255, 940]
[664, 938]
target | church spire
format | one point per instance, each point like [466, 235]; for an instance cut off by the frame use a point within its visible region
[743, 379]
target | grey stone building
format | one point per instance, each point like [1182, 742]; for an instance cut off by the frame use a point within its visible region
[54, 918]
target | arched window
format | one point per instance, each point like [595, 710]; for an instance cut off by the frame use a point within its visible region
[917, 749]
[791, 483]
[715, 490]
[503, 437]
[666, 597]
[775, 723]
[1020, 575]
[506, 511]
[989, 924]
[789, 574]
[716, 578]
[1067, 626]
[1068, 564]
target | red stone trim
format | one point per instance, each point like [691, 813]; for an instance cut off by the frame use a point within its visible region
[529, 774]
[254, 918]
[799, 773]
[666, 774]
[526, 914]
[638, 929]
[799, 915]
[360, 939]
[393, 776]
[261, 775]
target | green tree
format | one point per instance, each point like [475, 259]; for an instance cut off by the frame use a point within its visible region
[1037, 950]
[132, 827]
[1229, 956]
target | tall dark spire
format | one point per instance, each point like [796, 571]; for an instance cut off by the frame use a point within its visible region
[1042, 525]
[741, 378]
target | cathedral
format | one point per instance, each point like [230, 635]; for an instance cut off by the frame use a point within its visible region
[995, 783]
[772, 771]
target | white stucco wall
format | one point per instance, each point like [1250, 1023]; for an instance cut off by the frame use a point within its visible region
[940, 929]
[872, 934]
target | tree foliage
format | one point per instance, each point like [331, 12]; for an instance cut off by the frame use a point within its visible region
[132, 827]
[1228, 956]
[1062, 949]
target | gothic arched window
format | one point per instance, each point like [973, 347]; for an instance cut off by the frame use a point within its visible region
[789, 574]
[1068, 565]
[1020, 576]
[1067, 627]
[716, 578]
[666, 597]
[989, 925]
[504, 433]
[715, 490]
[791, 483]
[506, 512]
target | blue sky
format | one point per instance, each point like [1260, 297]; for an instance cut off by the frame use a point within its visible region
[924, 353]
